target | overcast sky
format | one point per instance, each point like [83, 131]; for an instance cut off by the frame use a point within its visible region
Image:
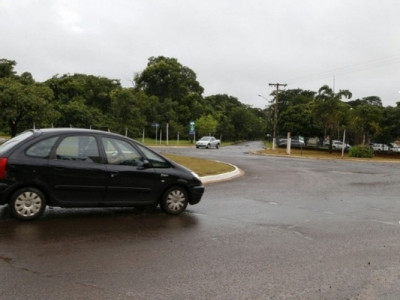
[236, 47]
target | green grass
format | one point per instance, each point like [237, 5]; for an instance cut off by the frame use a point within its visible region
[324, 154]
[202, 167]
[152, 142]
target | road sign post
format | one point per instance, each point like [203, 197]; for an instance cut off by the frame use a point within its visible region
[192, 130]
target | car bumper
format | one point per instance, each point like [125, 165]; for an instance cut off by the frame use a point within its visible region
[3, 193]
[196, 194]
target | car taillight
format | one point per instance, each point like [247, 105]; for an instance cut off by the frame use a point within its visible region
[3, 165]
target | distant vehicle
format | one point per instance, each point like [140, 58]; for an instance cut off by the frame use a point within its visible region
[208, 142]
[394, 147]
[379, 147]
[89, 168]
[337, 145]
[294, 143]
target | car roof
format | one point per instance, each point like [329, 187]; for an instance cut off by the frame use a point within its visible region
[71, 130]
[67, 130]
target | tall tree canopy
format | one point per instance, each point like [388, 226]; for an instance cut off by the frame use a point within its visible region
[7, 68]
[166, 78]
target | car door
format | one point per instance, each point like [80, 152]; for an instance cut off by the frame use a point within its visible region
[77, 173]
[130, 180]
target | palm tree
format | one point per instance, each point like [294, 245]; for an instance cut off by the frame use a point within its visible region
[330, 109]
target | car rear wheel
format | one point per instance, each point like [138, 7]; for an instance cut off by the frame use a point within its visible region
[27, 203]
[174, 200]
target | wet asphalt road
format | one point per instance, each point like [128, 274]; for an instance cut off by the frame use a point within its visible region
[290, 228]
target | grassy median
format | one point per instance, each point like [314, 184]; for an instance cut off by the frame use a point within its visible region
[202, 167]
[324, 154]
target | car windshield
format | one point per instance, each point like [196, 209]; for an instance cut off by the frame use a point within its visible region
[14, 141]
[206, 138]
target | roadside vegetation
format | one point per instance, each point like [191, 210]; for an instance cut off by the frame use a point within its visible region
[324, 154]
[167, 97]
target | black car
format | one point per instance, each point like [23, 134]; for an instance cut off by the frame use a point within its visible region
[89, 168]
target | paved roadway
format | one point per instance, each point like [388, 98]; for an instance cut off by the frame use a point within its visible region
[290, 228]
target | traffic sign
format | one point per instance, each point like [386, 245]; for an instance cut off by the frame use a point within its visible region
[192, 127]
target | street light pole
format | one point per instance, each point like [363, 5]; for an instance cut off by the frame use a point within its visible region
[277, 85]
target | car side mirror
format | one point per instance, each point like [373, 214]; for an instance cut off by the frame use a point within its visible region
[146, 164]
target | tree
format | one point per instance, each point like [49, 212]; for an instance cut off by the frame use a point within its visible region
[330, 110]
[166, 78]
[298, 120]
[295, 112]
[389, 125]
[365, 119]
[95, 91]
[22, 105]
[125, 111]
[170, 81]
[7, 68]
[371, 100]
[76, 113]
[206, 125]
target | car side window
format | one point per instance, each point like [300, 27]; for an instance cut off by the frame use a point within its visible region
[41, 149]
[119, 152]
[156, 160]
[79, 148]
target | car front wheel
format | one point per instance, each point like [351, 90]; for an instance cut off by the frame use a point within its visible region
[27, 203]
[174, 200]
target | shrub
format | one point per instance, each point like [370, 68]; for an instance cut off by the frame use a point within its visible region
[361, 151]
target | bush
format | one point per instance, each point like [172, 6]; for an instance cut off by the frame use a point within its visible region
[361, 151]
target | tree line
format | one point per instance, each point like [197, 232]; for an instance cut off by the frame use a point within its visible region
[166, 92]
[329, 114]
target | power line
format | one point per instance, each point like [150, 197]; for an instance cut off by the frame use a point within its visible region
[344, 70]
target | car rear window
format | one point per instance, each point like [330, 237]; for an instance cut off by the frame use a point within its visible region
[42, 149]
[15, 141]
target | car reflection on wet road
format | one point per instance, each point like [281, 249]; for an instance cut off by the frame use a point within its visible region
[290, 228]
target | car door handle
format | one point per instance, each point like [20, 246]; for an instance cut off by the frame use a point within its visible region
[113, 174]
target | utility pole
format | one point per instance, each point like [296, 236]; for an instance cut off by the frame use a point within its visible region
[277, 85]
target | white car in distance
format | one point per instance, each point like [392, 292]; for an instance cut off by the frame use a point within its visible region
[208, 142]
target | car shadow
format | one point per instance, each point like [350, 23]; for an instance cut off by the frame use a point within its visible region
[92, 224]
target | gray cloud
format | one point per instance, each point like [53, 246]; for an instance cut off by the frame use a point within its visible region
[235, 47]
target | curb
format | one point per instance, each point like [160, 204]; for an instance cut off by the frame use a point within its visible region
[222, 177]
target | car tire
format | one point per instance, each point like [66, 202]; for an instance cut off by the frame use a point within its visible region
[27, 203]
[217, 146]
[174, 200]
[208, 146]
